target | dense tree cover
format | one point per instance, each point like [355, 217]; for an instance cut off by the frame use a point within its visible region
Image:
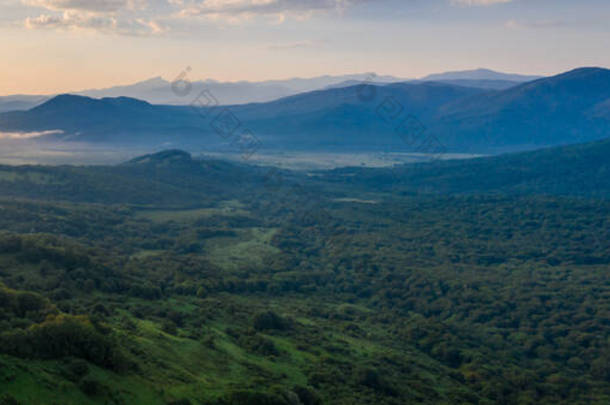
[575, 170]
[292, 296]
[61, 336]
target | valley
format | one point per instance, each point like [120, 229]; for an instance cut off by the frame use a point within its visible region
[261, 295]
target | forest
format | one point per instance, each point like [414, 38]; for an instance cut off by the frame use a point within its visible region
[171, 280]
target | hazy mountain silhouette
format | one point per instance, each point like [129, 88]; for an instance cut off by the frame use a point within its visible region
[568, 108]
[482, 84]
[480, 74]
[157, 90]
[160, 91]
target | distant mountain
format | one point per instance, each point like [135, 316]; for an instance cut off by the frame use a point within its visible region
[120, 120]
[20, 102]
[317, 83]
[479, 84]
[143, 90]
[482, 84]
[569, 108]
[337, 118]
[159, 91]
[362, 117]
[563, 109]
[480, 74]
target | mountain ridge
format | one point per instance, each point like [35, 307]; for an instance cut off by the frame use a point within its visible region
[572, 107]
[158, 90]
[480, 74]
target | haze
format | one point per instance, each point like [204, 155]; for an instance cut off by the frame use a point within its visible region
[53, 46]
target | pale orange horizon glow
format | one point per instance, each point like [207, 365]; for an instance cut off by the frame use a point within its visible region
[403, 39]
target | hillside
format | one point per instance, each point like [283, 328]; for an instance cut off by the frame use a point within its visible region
[164, 179]
[575, 170]
[173, 177]
[568, 108]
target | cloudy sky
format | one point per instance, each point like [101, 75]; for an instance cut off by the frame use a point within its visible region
[53, 46]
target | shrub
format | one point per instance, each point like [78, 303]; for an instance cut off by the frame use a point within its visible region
[75, 369]
[91, 387]
[259, 345]
[371, 378]
[254, 398]
[7, 399]
[307, 396]
[270, 321]
[169, 327]
[182, 401]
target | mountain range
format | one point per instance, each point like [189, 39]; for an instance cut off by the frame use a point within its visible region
[568, 108]
[480, 74]
[176, 92]
[160, 91]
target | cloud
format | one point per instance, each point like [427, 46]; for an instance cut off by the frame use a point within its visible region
[71, 20]
[104, 16]
[28, 135]
[473, 3]
[515, 24]
[108, 24]
[93, 6]
[155, 27]
[297, 45]
[236, 10]
[126, 17]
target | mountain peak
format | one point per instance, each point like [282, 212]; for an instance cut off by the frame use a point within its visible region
[584, 71]
[581, 80]
[170, 156]
[64, 101]
[71, 102]
[479, 74]
[153, 81]
[125, 101]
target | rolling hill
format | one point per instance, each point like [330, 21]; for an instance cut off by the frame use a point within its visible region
[174, 177]
[576, 170]
[167, 178]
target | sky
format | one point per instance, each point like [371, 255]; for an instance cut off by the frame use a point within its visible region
[54, 46]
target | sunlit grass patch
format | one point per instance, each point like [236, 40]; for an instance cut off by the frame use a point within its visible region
[226, 208]
[249, 248]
